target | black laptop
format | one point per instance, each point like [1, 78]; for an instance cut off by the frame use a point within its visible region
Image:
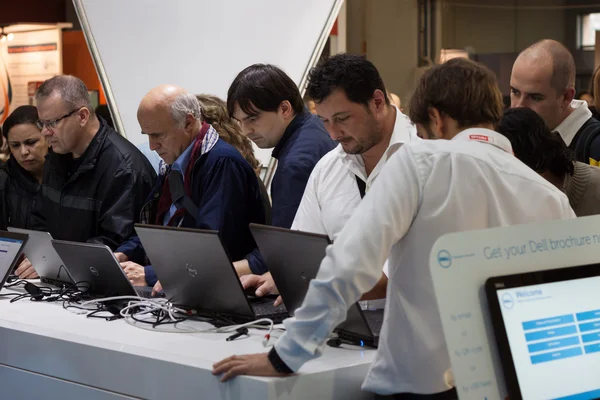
[196, 272]
[11, 247]
[95, 268]
[547, 328]
[293, 258]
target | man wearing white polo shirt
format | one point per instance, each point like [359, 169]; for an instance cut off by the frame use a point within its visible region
[468, 180]
[368, 128]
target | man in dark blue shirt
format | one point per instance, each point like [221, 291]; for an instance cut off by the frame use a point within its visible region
[271, 112]
[222, 188]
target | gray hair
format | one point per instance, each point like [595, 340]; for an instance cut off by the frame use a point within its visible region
[71, 90]
[184, 104]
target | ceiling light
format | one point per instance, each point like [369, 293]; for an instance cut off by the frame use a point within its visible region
[10, 36]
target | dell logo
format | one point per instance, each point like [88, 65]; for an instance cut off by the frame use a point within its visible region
[94, 271]
[444, 258]
[304, 277]
[191, 271]
[507, 301]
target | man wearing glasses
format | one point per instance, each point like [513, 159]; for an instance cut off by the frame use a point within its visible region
[95, 181]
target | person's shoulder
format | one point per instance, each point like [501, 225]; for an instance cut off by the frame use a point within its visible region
[223, 152]
[313, 133]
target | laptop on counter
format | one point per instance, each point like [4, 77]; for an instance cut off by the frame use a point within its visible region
[11, 247]
[293, 258]
[96, 265]
[43, 257]
[547, 328]
[196, 272]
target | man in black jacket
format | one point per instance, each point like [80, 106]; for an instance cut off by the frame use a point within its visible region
[95, 181]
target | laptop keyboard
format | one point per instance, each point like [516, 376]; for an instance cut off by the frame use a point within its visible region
[264, 307]
[374, 320]
[144, 291]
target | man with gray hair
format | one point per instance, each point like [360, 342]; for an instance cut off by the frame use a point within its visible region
[220, 189]
[543, 79]
[95, 181]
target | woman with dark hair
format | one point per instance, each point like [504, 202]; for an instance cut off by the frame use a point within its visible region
[22, 174]
[546, 153]
[214, 112]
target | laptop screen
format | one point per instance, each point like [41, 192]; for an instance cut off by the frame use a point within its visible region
[553, 331]
[9, 250]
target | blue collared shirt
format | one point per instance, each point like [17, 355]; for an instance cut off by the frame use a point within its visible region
[180, 165]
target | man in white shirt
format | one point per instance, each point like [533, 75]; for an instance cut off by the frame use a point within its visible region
[368, 129]
[470, 180]
[543, 79]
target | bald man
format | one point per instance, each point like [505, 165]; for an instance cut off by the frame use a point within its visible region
[222, 186]
[95, 181]
[543, 79]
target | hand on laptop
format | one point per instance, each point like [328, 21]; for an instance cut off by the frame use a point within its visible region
[121, 257]
[264, 285]
[135, 273]
[25, 270]
[157, 288]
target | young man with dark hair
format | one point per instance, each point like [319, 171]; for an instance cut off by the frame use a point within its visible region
[351, 100]
[95, 181]
[271, 112]
[543, 79]
[428, 188]
[546, 153]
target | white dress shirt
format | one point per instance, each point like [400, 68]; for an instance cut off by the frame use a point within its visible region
[332, 194]
[428, 188]
[574, 121]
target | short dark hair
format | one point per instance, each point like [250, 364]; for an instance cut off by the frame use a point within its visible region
[71, 89]
[21, 115]
[534, 144]
[353, 74]
[263, 87]
[464, 90]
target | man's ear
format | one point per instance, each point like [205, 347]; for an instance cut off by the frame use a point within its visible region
[438, 122]
[378, 100]
[286, 109]
[189, 124]
[84, 115]
[569, 96]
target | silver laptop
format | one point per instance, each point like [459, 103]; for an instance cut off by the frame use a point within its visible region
[95, 267]
[195, 271]
[44, 258]
[11, 247]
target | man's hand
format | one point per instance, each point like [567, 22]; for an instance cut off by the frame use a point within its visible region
[121, 257]
[25, 270]
[135, 273]
[264, 285]
[242, 267]
[157, 288]
[249, 364]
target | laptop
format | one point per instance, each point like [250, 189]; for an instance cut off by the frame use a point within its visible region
[43, 257]
[95, 265]
[11, 247]
[547, 328]
[293, 258]
[196, 272]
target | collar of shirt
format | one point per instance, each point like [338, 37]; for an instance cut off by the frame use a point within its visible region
[486, 136]
[404, 132]
[289, 131]
[569, 127]
[183, 160]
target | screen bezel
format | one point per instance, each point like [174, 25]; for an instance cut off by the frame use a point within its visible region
[13, 236]
[493, 284]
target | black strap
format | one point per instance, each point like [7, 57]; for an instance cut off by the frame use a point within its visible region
[589, 131]
[278, 363]
[178, 195]
[362, 186]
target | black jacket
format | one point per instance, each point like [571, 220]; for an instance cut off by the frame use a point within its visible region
[18, 192]
[101, 200]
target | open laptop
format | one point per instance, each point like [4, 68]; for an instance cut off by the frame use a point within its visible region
[11, 247]
[547, 328]
[196, 272]
[293, 258]
[95, 265]
[43, 257]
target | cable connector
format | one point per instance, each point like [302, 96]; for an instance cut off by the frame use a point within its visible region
[265, 341]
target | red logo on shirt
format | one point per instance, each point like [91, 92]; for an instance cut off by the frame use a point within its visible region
[479, 137]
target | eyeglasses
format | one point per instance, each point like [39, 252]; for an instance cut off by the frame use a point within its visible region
[52, 124]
